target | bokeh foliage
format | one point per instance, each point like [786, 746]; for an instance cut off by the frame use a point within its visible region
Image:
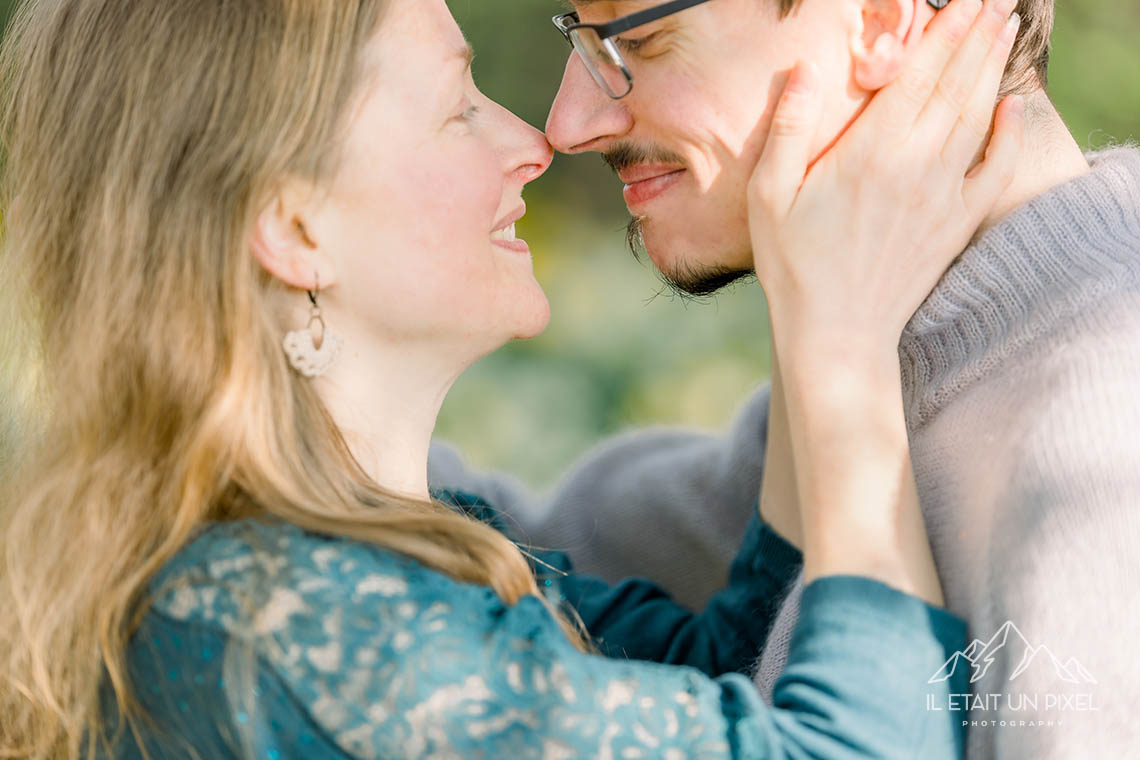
[617, 354]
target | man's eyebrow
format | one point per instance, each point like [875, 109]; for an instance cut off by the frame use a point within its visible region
[577, 5]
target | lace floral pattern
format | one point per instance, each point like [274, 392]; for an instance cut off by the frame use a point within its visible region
[390, 659]
[358, 652]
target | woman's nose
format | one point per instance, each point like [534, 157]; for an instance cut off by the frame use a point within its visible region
[534, 155]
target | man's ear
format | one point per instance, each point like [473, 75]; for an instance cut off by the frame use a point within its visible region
[882, 35]
[282, 243]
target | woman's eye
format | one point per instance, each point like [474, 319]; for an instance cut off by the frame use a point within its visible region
[467, 115]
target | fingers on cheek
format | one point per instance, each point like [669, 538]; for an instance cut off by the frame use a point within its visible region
[763, 199]
[1009, 126]
[947, 32]
[891, 168]
[796, 111]
[961, 15]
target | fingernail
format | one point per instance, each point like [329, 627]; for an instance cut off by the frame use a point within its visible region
[1010, 31]
[1018, 107]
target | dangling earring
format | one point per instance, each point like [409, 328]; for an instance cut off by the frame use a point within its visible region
[312, 351]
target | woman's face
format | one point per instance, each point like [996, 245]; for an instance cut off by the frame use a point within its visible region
[419, 220]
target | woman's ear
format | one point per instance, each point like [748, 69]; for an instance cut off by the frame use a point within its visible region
[282, 244]
[882, 34]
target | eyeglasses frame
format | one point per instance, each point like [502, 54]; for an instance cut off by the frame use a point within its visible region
[613, 28]
[631, 21]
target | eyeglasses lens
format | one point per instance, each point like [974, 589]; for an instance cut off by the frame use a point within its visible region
[601, 61]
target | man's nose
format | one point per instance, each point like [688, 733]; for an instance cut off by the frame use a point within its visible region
[583, 117]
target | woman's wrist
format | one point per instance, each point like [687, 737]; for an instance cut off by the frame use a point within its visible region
[828, 397]
[840, 359]
[779, 501]
[845, 427]
[858, 505]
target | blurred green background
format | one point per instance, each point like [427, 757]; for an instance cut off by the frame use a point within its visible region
[621, 353]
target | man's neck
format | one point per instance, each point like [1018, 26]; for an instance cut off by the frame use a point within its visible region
[1049, 157]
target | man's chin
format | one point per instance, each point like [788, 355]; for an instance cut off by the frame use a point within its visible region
[684, 275]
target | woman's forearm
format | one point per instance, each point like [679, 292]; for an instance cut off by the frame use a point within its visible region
[858, 501]
[779, 497]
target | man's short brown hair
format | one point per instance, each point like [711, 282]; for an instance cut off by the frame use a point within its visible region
[1028, 66]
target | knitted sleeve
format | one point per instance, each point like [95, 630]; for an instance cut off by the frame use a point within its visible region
[664, 503]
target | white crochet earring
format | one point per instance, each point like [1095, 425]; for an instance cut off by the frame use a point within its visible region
[313, 350]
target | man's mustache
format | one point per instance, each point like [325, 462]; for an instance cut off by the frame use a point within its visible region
[624, 155]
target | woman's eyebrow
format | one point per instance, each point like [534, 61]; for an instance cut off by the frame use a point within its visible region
[466, 54]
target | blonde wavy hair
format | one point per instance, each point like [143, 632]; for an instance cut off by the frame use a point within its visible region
[146, 377]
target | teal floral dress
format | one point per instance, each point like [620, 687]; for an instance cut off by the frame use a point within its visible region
[266, 641]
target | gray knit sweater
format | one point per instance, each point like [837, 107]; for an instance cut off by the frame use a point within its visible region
[1021, 385]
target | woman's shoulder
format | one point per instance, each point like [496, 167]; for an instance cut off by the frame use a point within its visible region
[363, 646]
[259, 576]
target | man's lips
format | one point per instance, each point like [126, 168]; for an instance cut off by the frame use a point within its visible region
[641, 172]
[644, 183]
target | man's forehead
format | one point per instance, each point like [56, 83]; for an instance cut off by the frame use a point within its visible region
[625, 6]
[600, 11]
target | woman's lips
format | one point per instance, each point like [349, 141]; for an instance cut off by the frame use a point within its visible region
[504, 233]
[518, 245]
[639, 190]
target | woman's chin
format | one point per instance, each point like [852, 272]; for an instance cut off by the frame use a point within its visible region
[536, 321]
[527, 318]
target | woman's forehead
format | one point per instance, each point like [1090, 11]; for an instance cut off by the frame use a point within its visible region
[417, 43]
[424, 24]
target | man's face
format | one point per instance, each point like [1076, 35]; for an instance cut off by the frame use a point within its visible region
[686, 139]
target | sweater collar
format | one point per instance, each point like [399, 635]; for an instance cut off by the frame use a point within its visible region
[1045, 261]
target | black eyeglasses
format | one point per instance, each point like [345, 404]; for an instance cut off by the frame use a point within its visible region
[598, 51]
[601, 56]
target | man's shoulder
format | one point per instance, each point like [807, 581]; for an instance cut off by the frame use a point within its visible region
[1102, 212]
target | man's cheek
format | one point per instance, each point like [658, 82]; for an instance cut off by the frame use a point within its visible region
[730, 150]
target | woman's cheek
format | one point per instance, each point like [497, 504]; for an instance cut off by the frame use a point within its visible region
[458, 200]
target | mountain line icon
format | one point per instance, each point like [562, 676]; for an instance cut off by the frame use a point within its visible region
[980, 655]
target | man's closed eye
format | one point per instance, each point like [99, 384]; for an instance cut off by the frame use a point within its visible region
[639, 46]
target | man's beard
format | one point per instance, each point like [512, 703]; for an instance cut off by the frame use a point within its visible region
[686, 280]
